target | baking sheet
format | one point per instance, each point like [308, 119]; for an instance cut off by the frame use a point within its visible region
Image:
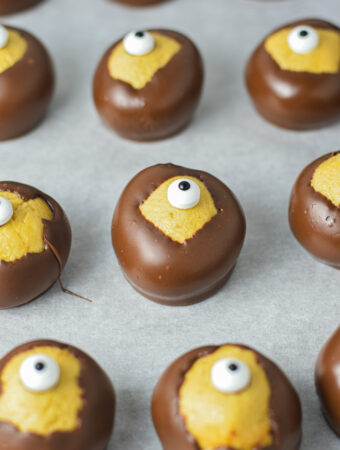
[278, 300]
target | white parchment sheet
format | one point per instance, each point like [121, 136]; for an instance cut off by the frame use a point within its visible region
[278, 300]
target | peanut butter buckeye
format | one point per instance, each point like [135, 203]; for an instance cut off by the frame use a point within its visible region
[26, 82]
[13, 6]
[293, 76]
[148, 85]
[314, 210]
[227, 397]
[177, 234]
[53, 396]
[327, 380]
[35, 241]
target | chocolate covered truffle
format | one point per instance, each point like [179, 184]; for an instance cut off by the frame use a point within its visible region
[177, 234]
[13, 6]
[26, 82]
[35, 241]
[293, 76]
[314, 210]
[148, 85]
[327, 380]
[224, 398]
[53, 396]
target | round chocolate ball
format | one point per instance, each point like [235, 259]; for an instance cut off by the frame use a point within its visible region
[148, 85]
[35, 241]
[176, 245]
[226, 397]
[54, 396]
[26, 82]
[327, 380]
[294, 81]
[13, 6]
[314, 213]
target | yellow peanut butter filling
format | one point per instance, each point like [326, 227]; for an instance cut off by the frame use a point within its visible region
[14, 50]
[326, 179]
[241, 420]
[46, 412]
[178, 224]
[325, 58]
[24, 232]
[138, 70]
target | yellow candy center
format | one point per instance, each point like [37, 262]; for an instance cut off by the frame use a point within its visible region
[241, 420]
[325, 58]
[178, 224]
[138, 70]
[14, 50]
[326, 179]
[46, 412]
[24, 232]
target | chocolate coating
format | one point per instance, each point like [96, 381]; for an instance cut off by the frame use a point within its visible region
[26, 278]
[13, 6]
[95, 419]
[140, 2]
[26, 89]
[163, 107]
[314, 220]
[295, 100]
[285, 408]
[327, 380]
[164, 270]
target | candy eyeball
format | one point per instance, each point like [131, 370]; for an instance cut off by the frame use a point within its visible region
[6, 211]
[184, 193]
[3, 36]
[303, 39]
[230, 375]
[138, 43]
[39, 373]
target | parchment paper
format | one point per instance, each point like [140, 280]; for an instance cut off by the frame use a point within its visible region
[278, 300]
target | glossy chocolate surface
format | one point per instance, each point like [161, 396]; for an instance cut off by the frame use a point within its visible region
[285, 408]
[26, 278]
[327, 380]
[314, 220]
[26, 89]
[164, 270]
[295, 100]
[13, 6]
[163, 107]
[95, 419]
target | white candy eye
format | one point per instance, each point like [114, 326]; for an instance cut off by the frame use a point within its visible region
[230, 375]
[138, 43]
[3, 36]
[39, 373]
[303, 39]
[6, 211]
[184, 193]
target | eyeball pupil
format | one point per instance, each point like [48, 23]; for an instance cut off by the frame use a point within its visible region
[184, 185]
[303, 33]
[40, 366]
[233, 367]
[139, 34]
